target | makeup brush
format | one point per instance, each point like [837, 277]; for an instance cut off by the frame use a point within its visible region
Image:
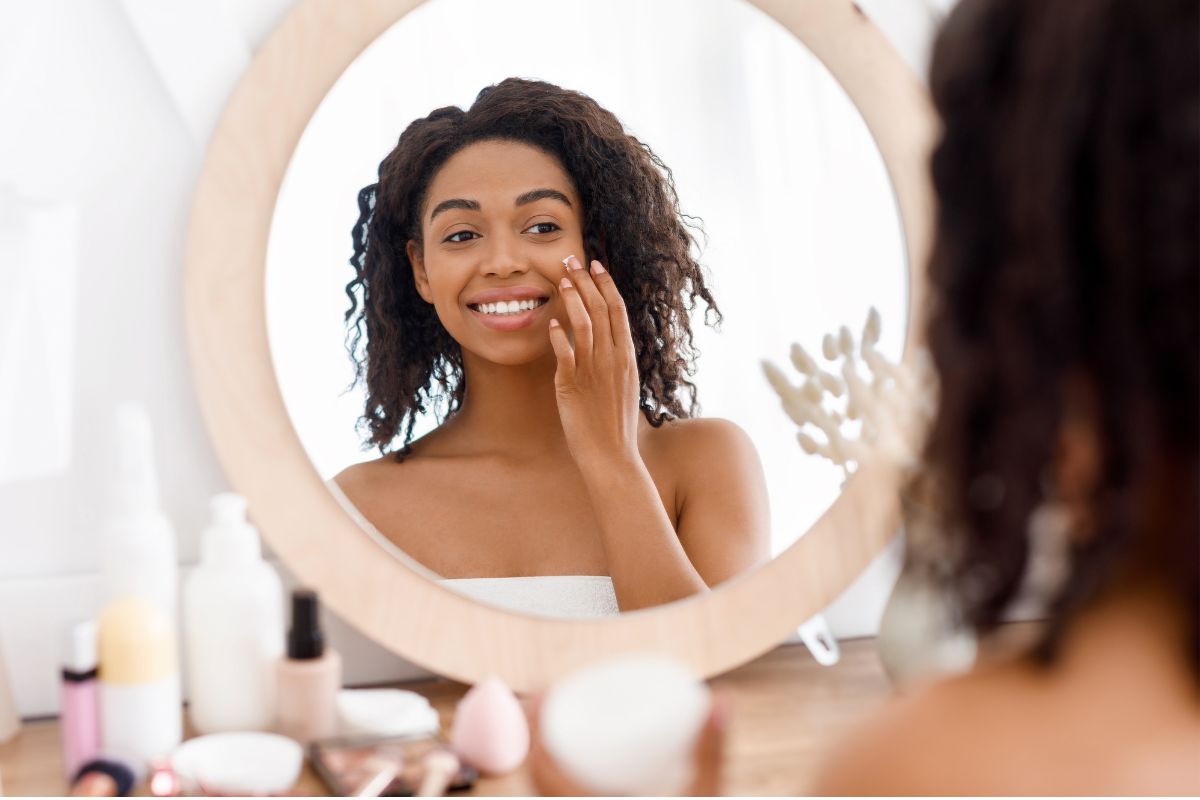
[440, 769]
[377, 784]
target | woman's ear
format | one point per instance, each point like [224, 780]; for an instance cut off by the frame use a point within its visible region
[420, 278]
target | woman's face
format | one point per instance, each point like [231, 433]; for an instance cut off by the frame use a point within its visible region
[498, 220]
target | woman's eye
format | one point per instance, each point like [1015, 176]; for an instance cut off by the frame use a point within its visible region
[460, 236]
[542, 227]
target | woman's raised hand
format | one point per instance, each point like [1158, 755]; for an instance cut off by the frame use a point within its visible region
[596, 381]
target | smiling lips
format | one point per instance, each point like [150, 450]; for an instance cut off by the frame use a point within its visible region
[508, 309]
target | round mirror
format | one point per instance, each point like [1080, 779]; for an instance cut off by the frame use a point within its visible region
[796, 225]
[800, 236]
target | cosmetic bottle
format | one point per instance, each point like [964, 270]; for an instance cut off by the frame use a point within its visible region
[139, 556]
[140, 709]
[310, 676]
[140, 700]
[79, 723]
[233, 625]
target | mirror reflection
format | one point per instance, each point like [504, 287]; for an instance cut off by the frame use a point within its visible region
[545, 434]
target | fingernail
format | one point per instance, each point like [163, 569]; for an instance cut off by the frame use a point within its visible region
[598, 268]
[566, 262]
[575, 264]
[565, 283]
[553, 323]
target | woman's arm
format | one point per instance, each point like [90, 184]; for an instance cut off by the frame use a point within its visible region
[597, 389]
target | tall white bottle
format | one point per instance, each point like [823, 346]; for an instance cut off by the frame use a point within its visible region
[140, 700]
[233, 625]
[140, 554]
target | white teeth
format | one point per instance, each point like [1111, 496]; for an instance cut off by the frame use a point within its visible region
[509, 307]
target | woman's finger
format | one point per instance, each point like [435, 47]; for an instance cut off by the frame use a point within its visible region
[618, 315]
[581, 323]
[593, 301]
[565, 375]
[547, 777]
[709, 752]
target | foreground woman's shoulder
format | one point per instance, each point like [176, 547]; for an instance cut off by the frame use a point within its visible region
[1010, 729]
[914, 745]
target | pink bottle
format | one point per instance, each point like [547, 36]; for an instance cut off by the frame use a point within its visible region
[80, 722]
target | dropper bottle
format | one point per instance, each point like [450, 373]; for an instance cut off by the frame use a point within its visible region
[309, 677]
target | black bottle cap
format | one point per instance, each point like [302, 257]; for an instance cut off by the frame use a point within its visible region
[305, 640]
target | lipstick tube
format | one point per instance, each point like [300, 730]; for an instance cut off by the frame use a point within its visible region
[80, 708]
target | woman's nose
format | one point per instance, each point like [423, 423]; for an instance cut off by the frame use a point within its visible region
[503, 259]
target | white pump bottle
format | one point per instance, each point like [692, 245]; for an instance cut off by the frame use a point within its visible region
[233, 624]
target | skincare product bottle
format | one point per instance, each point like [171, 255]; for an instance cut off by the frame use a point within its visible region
[140, 708]
[233, 626]
[310, 676]
[80, 703]
[139, 542]
[140, 701]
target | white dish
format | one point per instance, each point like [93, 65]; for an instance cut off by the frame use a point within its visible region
[244, 763]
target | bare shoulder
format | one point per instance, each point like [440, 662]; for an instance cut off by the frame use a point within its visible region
[367, 478]
[363, 473]
[365, 482]
[711, 460]
[703, 440]
[1011, 728]
[919, 743]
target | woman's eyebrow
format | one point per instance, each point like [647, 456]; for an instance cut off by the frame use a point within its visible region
[542, 194]
[457, 202]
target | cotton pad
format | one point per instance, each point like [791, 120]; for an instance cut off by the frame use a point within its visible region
[386, 712]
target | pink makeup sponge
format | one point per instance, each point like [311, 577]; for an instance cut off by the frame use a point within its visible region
[489, 730]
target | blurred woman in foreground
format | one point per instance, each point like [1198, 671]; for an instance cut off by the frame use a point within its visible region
[1064, 330]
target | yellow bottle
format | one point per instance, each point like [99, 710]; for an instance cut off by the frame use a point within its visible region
[141, 717]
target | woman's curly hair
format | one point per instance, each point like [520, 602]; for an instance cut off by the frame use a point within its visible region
[631, 222]
[1067, 247]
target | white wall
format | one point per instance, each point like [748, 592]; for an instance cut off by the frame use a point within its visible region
[108, 105]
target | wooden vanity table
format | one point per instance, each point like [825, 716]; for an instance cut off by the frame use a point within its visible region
[787, 711]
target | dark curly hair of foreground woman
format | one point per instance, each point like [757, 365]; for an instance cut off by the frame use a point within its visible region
[632, 223]
[1068, 180]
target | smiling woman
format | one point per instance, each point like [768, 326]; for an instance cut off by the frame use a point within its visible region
[567, 445]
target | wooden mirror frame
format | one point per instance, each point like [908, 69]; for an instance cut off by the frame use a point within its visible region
[389, 599]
